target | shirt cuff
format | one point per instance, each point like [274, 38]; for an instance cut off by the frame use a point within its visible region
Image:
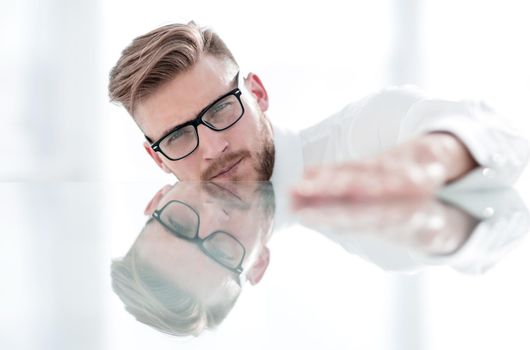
[500, 153]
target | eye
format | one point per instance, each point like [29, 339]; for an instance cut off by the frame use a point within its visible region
[177, 134]
[181, 226]
[175, 224]
[220, 106]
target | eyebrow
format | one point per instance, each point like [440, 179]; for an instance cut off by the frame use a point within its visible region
[167, 131]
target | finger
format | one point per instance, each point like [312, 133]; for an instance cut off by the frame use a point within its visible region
[361, 186]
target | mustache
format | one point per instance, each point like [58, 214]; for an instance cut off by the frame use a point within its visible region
[225, 197]
[222, 163]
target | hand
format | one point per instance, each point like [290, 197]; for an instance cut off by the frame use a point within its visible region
[413, 170]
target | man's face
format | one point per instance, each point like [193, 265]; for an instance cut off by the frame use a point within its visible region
[244, 151]
[230, 209]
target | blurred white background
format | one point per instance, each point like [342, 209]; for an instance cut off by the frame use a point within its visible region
[313, 56]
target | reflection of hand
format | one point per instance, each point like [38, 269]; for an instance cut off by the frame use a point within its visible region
[429, 226]
[412, 170]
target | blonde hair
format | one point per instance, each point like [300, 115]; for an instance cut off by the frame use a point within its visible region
[157, 57]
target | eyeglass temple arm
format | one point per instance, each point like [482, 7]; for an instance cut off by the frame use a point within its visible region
[148, 139]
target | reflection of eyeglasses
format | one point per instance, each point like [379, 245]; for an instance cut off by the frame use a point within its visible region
[183, 222]
[219, 115]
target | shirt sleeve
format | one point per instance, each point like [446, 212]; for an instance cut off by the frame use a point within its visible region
[395, 115]
[499, 151]
[360, 130]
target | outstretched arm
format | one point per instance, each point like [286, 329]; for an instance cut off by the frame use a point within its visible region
[413, 169]
[399, 143]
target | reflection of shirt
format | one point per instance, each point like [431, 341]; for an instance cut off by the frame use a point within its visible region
[392, 116]
[503, 223]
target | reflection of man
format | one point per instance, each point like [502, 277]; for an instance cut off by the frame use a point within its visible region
[204, 120]
[183, 274]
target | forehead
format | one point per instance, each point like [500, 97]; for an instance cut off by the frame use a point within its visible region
[183, 97]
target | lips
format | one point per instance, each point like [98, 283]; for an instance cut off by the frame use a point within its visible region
[227, 169]
[226, 164]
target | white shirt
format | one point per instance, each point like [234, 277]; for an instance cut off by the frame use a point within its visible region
[392, 116]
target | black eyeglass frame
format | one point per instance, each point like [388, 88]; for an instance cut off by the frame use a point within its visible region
[196, 239]
[198, 121]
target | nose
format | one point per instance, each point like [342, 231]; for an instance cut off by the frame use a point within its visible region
[212, 143]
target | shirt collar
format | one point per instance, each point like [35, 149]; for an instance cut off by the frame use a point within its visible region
[288, 160]
[288, 169]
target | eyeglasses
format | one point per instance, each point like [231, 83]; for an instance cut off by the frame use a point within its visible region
[183, 222]
[221, 114]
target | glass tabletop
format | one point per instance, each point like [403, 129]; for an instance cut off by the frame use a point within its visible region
[238, 265]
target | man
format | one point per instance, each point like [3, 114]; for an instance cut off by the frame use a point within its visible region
[204, 121]
[186, 269]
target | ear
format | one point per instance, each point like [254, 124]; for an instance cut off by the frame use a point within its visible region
[156, 158]
[153, 203]
[257, 270]
[255, 86]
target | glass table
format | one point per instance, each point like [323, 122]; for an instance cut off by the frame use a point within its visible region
[238, 266]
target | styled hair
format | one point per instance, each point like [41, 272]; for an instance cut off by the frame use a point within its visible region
[155, 58]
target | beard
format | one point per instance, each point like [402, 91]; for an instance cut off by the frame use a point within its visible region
[266, 154]
[262, 159]
[265, 161]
